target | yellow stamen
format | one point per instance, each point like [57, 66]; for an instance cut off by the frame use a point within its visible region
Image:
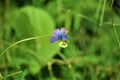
[63, 44]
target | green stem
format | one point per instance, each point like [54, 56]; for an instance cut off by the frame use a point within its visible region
[50, 70]
[68, 63]
[114, 27]
[71, 70]
[13, 74]
[98, 9]
[116, 33]
[102, 14]
[23, 40]
[79, 15]
[1, 77]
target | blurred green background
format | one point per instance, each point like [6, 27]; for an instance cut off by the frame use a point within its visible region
[93, 45]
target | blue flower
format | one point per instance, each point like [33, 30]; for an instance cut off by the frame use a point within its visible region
[60, 35]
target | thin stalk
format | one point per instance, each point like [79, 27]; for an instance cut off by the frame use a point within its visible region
[59, 9]
[98, 9]
[71, 70]
[12, 74]
[116, 33]
[50, 70]
[68, 19]
[68, 63]
[79, 15]
[1, 77]
[23, 40]
[114, 28]
[102, 14]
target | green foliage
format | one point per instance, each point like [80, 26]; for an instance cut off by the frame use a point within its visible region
[31, 22]
[93, 45]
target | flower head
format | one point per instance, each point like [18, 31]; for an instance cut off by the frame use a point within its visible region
[60, 35]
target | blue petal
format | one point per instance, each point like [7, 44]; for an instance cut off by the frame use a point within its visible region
[54, 38]
[56, 32]
[59, 34]
[65, 37]
[63, 34]
[63, 30]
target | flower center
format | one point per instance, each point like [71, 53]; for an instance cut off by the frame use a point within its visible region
[63, 44]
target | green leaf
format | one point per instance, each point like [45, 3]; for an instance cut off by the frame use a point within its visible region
[30, 22]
